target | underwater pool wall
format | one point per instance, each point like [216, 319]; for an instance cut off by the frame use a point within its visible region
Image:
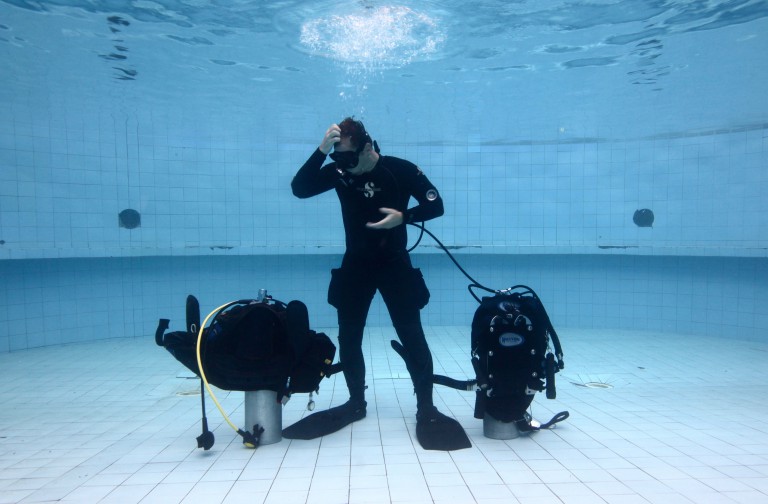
[106, 224]
[56, 301]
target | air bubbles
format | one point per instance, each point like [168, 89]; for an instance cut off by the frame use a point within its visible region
[373, 38]
[365, 40]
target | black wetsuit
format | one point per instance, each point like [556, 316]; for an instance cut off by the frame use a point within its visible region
[377, 260]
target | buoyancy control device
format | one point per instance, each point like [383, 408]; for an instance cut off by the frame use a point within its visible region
[250, 345]
[515, 352]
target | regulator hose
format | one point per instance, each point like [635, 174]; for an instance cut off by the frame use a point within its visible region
[250, 439]
[475, 284]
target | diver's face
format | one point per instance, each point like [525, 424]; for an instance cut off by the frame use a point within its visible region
[345, 155]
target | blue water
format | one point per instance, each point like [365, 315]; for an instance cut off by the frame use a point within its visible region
[610, 154]
[547, 126]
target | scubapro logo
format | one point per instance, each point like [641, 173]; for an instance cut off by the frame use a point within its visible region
[511, 340]
[369, 190]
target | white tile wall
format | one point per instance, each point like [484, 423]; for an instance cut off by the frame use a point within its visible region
[227, 185]
[55, 301]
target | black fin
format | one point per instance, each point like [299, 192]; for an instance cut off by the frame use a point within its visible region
[436, 431]
[193, 315]
[325, 422]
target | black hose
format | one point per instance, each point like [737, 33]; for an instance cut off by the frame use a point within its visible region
[475, 283]
[420, 225]
[162, 326]
[206, 439]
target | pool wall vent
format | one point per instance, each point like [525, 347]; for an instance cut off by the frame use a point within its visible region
[129, 219]
[643, 217]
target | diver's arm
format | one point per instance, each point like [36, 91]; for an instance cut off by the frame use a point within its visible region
[312, 178]
[430, 202]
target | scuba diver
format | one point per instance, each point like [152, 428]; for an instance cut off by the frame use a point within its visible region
[374, 192]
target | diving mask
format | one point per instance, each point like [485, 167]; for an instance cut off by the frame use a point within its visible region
[345, 160]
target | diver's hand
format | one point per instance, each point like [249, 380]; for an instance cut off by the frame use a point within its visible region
[332, 135]
[393, 219]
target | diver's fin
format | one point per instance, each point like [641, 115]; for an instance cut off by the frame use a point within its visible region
[193, 315]
[436, 431]
[325, 422]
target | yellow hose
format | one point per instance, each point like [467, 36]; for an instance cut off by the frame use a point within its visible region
[202, 372]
